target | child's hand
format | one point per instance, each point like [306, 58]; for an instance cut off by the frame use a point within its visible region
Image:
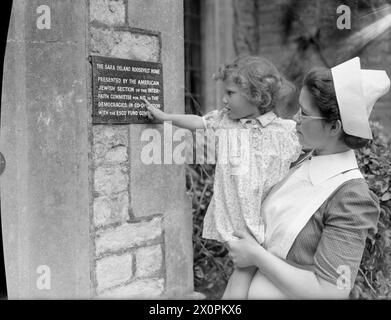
[155, 113]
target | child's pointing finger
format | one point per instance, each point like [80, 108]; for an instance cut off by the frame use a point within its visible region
[148, 104]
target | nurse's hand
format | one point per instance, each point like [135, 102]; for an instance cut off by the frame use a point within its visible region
[243, 251]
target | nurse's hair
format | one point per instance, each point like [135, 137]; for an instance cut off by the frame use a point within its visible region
[258, 79]
[319, 82]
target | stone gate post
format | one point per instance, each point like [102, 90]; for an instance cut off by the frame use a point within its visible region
[82, 215]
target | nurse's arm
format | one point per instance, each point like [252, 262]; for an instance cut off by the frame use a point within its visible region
[295, 282]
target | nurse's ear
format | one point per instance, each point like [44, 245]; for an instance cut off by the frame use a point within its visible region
[336, 128]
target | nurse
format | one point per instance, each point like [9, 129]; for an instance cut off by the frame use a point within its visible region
[318, 218]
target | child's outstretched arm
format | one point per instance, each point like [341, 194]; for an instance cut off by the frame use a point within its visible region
[188, 121]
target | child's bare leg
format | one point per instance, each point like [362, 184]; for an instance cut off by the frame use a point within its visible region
[239, 283]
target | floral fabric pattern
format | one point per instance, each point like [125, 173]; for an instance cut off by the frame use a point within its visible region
[252, 156]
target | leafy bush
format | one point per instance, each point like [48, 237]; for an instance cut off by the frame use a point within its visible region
[212, 266]
[374, 278]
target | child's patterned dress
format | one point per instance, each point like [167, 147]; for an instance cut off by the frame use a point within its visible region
[246, 170]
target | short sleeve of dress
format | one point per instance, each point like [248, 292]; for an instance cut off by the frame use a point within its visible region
[290, 144]
[280, 147]
[349, 216]
[287, 145]
[213, 119]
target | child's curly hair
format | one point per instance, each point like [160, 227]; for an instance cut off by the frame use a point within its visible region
[257, 77]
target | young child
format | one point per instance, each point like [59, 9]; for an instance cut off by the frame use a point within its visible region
[252, 86]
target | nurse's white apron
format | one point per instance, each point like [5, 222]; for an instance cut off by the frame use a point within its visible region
[301, 199]
[285, 219]
[291, 204]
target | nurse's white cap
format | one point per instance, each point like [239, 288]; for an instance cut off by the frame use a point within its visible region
[357, 91]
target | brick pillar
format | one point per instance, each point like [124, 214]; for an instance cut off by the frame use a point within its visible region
[142, 217]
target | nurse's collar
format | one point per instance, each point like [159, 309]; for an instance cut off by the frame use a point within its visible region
[322, 168]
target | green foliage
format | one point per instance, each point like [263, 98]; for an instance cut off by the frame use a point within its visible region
[374, 278]
[212, 266]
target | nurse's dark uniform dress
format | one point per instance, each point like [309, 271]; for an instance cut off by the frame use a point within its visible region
[319, 217]
[335, 235]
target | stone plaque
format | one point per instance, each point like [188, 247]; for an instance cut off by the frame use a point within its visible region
[118, 87]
